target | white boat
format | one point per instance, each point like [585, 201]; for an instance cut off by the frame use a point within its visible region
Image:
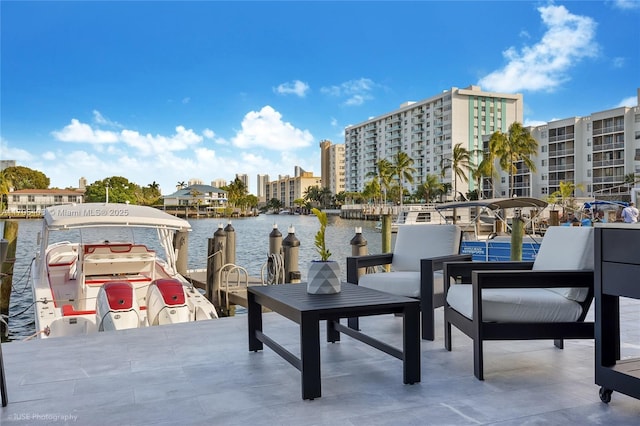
[98, 276]
[486, 227]
[415, 214]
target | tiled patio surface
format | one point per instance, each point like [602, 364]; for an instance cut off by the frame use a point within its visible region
[203, 374]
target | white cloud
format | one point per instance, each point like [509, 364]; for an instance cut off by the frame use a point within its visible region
[545, 65]
[147, 144]
[626, 4]
[618, 62]
[83, 133]
[266, 129]
[186, 100]
[17, 154]
[296, 87]
[356, 92]
[208, 133]
[49, 156]
[631, 101]
[98, 118]
[533, 123]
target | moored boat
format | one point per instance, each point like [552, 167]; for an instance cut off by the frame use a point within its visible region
[98, 276]
[487, 232]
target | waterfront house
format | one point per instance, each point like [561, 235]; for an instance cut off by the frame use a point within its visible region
[34, 201]
[204, 197]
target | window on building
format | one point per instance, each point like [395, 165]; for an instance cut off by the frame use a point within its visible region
[15, 198]
[589, 157]
[543, 148]
[544, 163]
[589, 173]
[31, 198]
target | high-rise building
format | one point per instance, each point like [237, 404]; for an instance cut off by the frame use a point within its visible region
[261, 190]
[244, 178]
[598, 154]
[218, 183]
[332, 166]
[5, 164]
[427, 131]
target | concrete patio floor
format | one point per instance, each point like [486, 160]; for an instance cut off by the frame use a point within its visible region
[203, 374]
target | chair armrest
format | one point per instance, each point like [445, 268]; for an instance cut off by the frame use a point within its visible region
[532, 279]
[437, 263]
[463, 270]
[356, 262]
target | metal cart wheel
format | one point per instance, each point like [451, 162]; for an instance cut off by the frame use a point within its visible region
[605, 395]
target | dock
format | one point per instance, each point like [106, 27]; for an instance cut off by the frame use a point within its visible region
[228, 298]
[203, 373]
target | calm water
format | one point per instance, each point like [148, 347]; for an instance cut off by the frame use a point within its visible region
[252, 248]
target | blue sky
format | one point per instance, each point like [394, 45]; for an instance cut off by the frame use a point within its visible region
[168, 91]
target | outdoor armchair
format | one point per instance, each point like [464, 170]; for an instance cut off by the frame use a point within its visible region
[416, 268]
[546, 299]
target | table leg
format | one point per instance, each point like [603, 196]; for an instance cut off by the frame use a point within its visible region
[333, 335]
[411, 344]
[3, 382]
[254, 314]
[310, 356]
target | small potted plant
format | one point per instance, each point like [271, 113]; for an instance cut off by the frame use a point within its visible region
[324, 274]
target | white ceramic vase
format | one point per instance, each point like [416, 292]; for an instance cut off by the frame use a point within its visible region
[323, 277]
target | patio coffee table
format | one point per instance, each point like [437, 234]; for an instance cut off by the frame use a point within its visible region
[292, 301]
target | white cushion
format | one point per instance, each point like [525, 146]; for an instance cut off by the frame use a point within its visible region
[515, 305]
[402, 283]
[567, 248]
[423, 241]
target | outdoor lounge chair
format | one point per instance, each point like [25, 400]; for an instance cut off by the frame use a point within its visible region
[416, 267]
[546, 299]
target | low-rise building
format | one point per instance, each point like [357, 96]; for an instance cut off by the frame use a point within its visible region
[28, 201]
[203, 196]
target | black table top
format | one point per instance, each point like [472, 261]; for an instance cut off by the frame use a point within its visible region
[350, 296]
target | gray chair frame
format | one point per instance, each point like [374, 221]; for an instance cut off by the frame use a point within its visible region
[502, 275]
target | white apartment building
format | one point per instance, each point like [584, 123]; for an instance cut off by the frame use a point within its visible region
[332, 166]
[261, 187]
[427, 130]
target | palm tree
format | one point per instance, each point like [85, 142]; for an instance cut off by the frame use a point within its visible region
[326, 197]
[486, 168]
[565, 194]
[383, 177]
[516, 145]
[402, 168]
[181, 185]
[460, 165]
[430, 187]
[5, 187]
[372, 190]
[312, 194]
